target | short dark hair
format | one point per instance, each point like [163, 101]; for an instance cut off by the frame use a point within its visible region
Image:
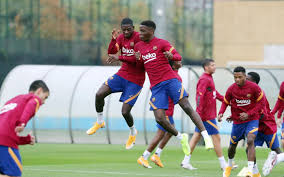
[239, 69]
[206, 62]
[126, 21]
[38, 84]
[149, 23]
[255, 76]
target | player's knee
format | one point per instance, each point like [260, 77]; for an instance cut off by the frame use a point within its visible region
[250, 141]
[125, 112]
[160, 120]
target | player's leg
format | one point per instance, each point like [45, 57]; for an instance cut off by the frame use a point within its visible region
[251, 132]
[185, 105]
[192, 144]
[128, 97]
[112, 85]
[156, 156]
[167, 136]
[238, 131]
[126, 108]
[282, 136]
[275, 156]
[143, 160]
[218, 149]
[159, 102]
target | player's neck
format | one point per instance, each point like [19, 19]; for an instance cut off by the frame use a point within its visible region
[207, 72]
[150, 39]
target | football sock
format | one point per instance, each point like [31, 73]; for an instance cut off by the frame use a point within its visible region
[146, 154]
[159, 151]
[132, 130]
[179, 136]
[230, 162]
[204, 134]
[186, 159]
[250, 165]
[222, 161]
[100, 118]
[255, 169]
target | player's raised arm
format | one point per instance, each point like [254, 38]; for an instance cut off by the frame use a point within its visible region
[171, 53]
[114, 46]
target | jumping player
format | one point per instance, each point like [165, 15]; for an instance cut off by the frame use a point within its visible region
[129, 79]
[162, 137]
[14, 116]
[206, 95]
[246, 101]
[154, 54]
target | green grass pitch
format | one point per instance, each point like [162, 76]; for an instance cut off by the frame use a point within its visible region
[85, 160]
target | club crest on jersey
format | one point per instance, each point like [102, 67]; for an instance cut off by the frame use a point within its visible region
[153, 99]
[234, 137]
[131, 44]
[110, 78]
[248, 95]
[155, 48]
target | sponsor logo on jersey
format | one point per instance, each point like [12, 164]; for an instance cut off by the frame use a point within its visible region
[242, 102]
[149, 57]
[127, 52]
[8, 107]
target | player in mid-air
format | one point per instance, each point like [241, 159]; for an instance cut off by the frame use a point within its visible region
[246, 101]
[154, 54]
[206, 96]
[129, 79]
[162, 137]
[279, 107]
[14, 116]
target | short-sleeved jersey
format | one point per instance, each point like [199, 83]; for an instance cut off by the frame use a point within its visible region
[279, 106]
[206, 95]
[155, 63]
[247, 98]
[129, 70]
[15, 112]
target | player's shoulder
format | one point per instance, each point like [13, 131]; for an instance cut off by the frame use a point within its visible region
[120, 37]
[252, 85]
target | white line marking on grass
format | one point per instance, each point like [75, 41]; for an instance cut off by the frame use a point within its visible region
[95, 172]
